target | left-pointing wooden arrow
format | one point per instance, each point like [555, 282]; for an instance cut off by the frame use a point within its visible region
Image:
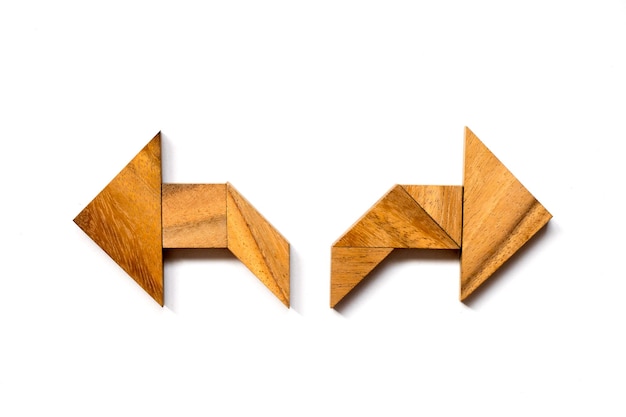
[136, 216]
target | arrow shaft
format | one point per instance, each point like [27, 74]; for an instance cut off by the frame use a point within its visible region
[194, 216]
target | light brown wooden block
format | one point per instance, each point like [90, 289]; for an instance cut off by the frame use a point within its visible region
[444, 203]
[499, 215]
[194, 216]
[125, 219]
[349, 266]
[397, 221]
[256, 243]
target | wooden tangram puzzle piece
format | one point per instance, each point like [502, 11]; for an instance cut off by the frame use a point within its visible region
[489, 218]
[135, 217]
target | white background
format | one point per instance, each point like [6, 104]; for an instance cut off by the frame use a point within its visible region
[312, 110]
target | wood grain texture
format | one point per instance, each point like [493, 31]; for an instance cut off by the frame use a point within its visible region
[350, 266]
[194, 216]
[256, 243]
[397, 221]
[416, 217]
[136, 216]
[489, 218]
[125, 219]
[499, 215]
[444, 203]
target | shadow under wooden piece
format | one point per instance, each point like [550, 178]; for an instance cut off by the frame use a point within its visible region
[217, 216]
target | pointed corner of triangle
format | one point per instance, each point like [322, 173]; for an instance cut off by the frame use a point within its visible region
[124, 219]
[350, 266]
[499, 215]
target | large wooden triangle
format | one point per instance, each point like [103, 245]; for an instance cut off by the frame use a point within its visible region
[499, 215]
[125, 219]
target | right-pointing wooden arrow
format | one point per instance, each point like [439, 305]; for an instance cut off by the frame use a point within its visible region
[488, 219]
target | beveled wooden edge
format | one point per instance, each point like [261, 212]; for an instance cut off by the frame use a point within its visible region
[499, 215]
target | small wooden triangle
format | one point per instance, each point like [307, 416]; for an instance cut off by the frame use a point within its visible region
[444, 203]
[499, 215]
[349, 266]
[125, 219]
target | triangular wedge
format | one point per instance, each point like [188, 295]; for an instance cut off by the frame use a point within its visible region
[499, 215]
[125, 219]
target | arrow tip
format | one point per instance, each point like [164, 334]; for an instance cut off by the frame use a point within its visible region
[124, 219]
[499, 215]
